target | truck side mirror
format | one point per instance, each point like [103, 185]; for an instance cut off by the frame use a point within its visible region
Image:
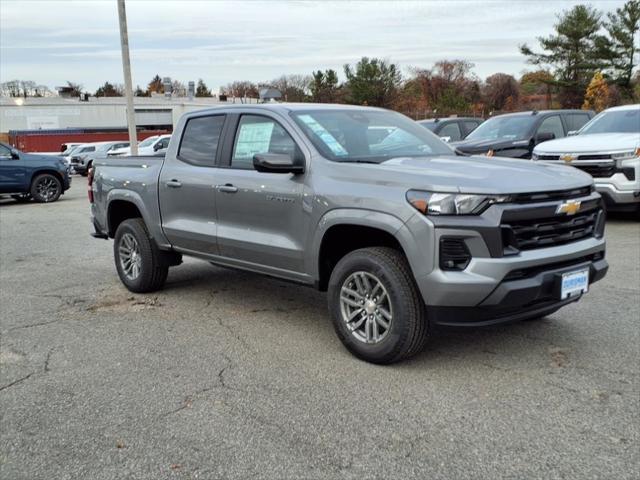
[15, 154]
[544, 137]
[277, 163]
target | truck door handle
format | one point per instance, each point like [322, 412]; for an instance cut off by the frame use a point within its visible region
[228, 188]
[174, 184]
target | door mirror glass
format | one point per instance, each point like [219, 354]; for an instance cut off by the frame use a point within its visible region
[277, 163]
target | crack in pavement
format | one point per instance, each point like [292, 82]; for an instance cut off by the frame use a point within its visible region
[47, 359]
[16, 382]
[236, 335]
[31, 325]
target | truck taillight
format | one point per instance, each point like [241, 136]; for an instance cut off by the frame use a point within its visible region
[90, 184]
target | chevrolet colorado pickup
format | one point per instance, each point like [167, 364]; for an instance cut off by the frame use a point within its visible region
[401, 232]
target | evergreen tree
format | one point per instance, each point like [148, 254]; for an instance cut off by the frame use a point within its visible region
[202, 90]
[373, 82]
[324, 86]
[108, 90]
[621, 46]
[574, 52]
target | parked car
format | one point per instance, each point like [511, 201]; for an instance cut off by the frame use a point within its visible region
[402, 232]
[82, 162]
[24, 175]
[149, 146]
[452, 129]
[73, 157]
[515, 134]
[607, 148]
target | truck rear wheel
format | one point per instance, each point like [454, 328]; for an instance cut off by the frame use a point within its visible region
[375, 306]
[141, 265]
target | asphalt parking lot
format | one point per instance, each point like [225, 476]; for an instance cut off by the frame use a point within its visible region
[231, 375]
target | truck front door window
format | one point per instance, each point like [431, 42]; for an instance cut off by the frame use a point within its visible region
[553, 125]
[256, 135]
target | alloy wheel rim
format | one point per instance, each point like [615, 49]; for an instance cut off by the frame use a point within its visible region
[47, 188]
[366, 307]
[130, 259]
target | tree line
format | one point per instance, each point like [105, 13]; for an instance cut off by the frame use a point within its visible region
[590, 60]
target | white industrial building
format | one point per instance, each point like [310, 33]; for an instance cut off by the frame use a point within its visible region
[49, 113]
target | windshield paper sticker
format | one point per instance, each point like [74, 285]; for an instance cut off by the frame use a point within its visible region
[253, 138]
[328, 139]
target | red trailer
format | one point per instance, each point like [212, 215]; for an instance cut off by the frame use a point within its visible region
[51, 141]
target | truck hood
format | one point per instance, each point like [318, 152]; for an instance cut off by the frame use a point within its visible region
[596, 142]
[474, 174]
[35, 157]
[483, 145]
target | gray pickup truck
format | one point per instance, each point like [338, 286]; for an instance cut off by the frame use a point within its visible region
[363, 203]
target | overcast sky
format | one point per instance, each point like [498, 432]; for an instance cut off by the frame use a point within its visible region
[220, 41]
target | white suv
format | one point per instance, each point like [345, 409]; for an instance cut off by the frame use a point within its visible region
[154, 145]
[608, 148]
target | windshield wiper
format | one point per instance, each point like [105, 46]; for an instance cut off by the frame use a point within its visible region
[357, 160]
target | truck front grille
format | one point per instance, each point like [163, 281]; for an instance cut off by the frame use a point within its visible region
[551, 231]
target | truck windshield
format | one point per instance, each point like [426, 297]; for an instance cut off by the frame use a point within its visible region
[504, 128]
[72, 150]
[147, 141]
[620, 121]
[370, 136]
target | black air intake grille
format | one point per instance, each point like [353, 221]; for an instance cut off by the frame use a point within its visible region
[454, 254]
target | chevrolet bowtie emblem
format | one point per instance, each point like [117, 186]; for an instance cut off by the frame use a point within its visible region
[570, 208]
[567, 157]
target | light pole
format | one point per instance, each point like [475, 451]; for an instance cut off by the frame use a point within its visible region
[128, 86]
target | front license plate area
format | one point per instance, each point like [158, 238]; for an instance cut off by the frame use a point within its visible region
[574, 283]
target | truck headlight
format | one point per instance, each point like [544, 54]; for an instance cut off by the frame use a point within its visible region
[628, 155]
[434, 203]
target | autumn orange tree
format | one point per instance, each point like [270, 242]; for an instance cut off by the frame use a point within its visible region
[597, 94]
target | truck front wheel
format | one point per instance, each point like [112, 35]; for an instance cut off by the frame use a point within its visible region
[142, 267]
[376, 308]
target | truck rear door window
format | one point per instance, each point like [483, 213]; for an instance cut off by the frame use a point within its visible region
[200, 140]
[575, 121]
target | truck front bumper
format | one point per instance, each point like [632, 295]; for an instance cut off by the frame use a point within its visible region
[618, 198]
[533, 294]
[500, 282]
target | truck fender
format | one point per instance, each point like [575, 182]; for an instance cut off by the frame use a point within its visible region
[366, 218]
[151, 220]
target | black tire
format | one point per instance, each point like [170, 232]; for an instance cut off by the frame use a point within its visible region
[409, 328]
[153, 265]
[46, 188]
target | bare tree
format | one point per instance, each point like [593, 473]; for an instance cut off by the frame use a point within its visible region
[240, 89]
[501, 92]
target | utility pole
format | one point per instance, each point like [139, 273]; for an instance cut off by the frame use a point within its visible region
[128, 86]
